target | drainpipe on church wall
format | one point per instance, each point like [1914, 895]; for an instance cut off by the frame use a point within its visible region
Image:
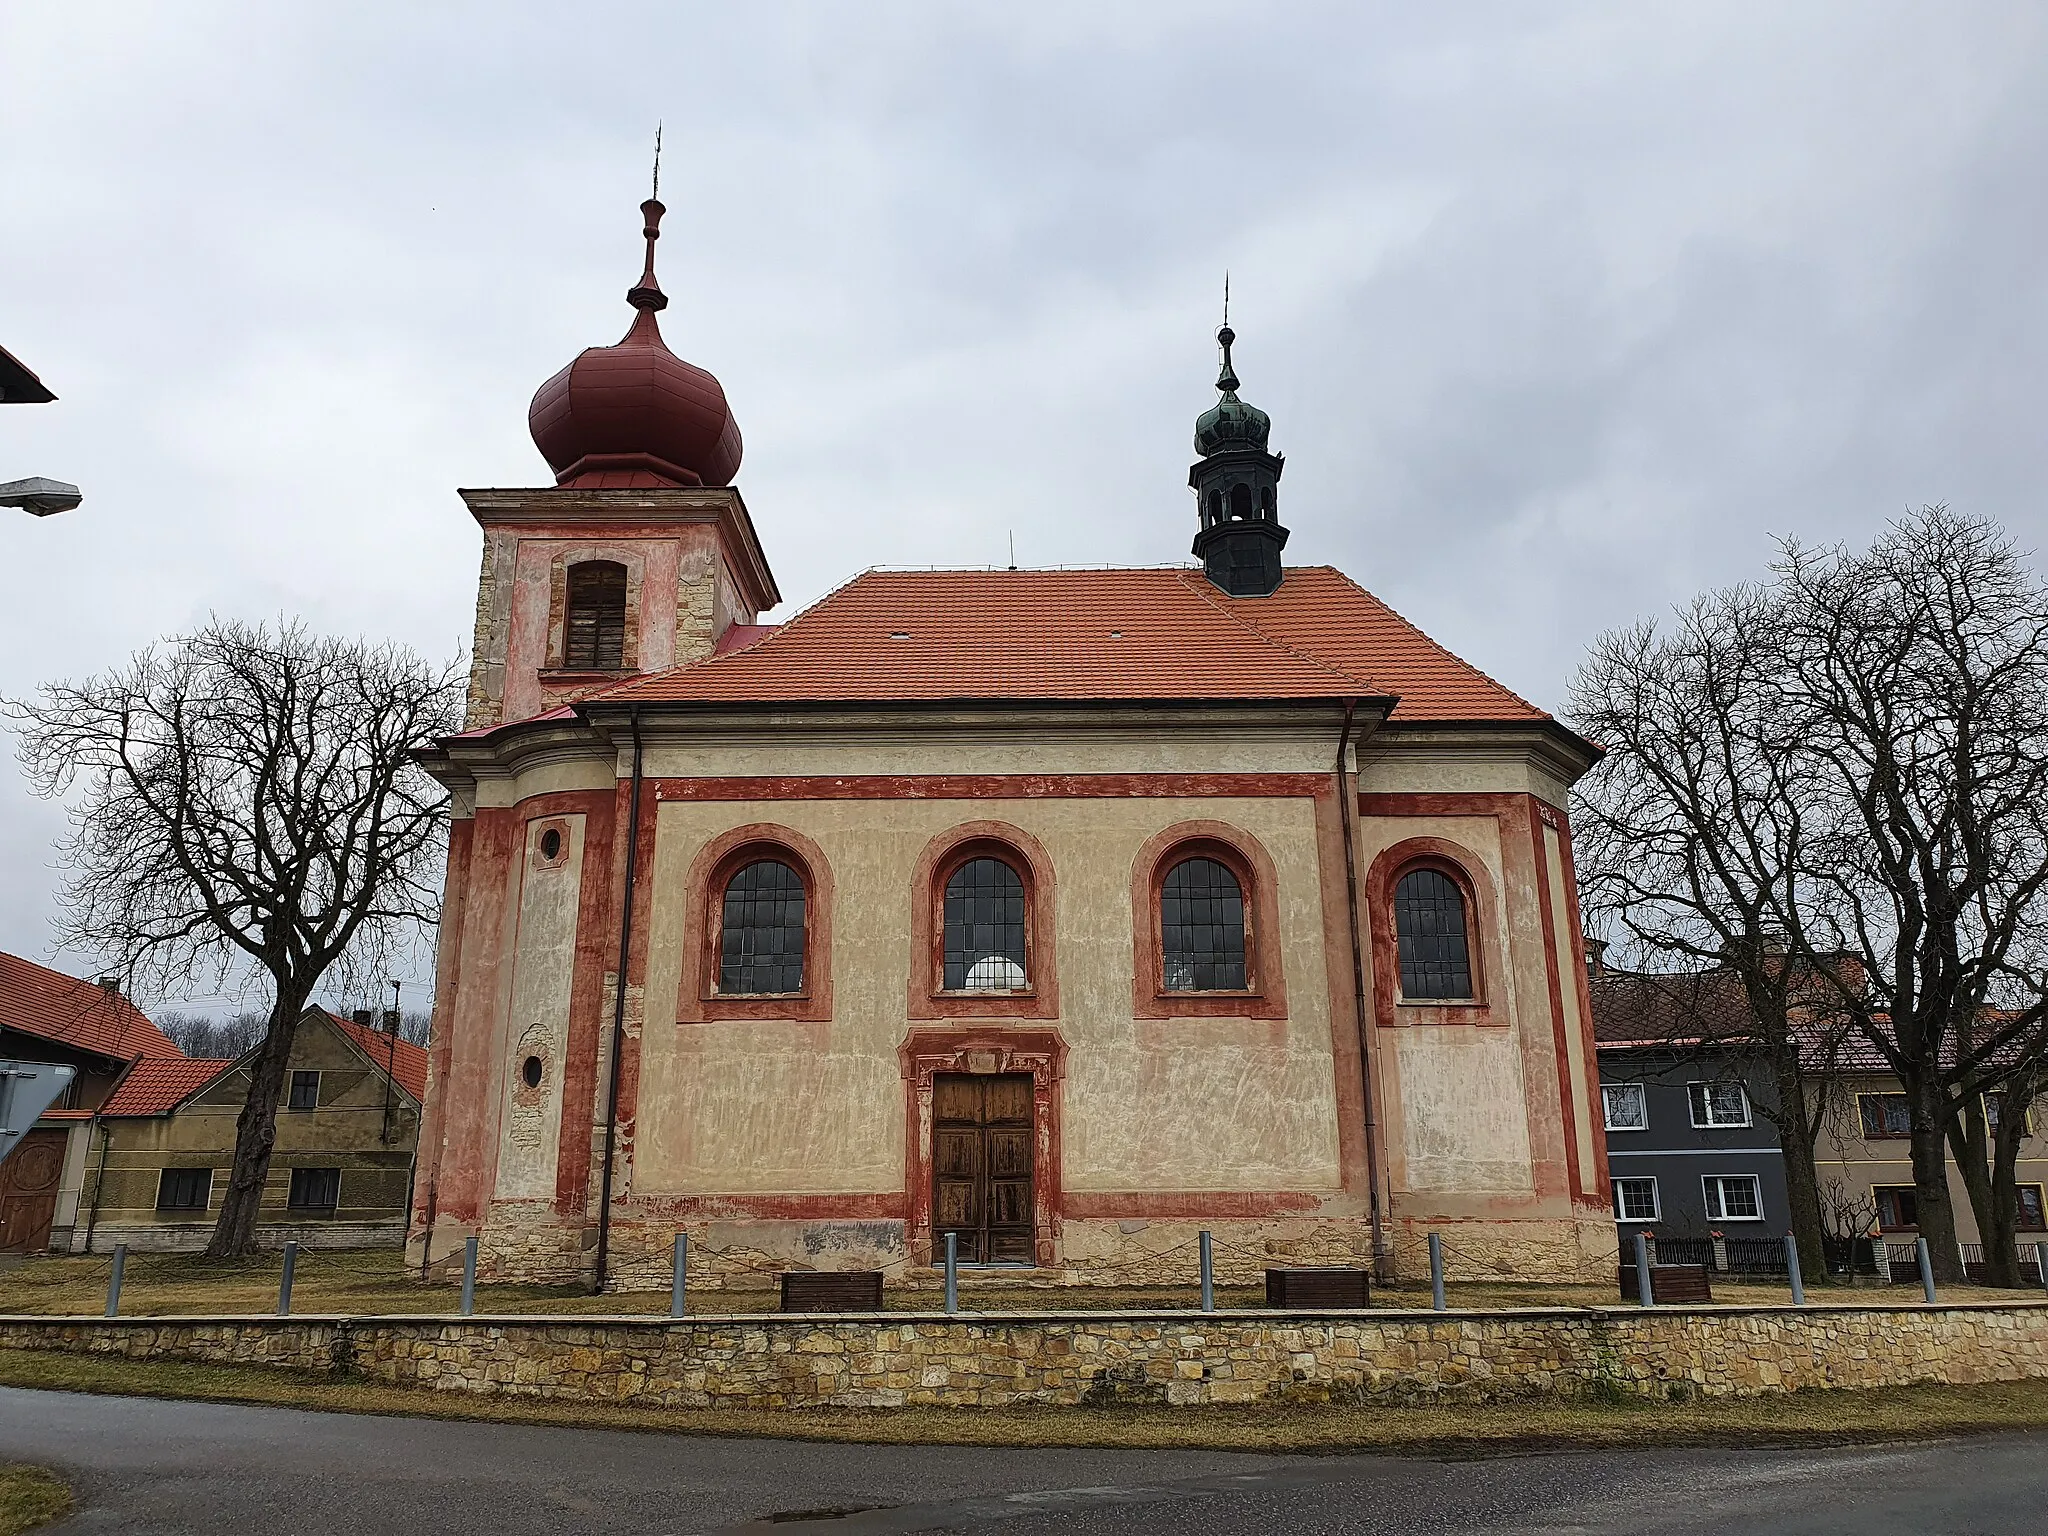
[611, 1106]
[1358, 1009]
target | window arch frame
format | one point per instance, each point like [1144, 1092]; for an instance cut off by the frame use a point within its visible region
[1474, 881]
[555, 669]
[942, 857]
[712, 871]
[1265, 994]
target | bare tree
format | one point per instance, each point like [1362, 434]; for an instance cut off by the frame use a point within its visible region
[218, 1039]
[1691, 841]
[247, 808]
[1923, 686]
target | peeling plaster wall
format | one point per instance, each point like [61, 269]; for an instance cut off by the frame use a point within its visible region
[543, 957]
[1217, 1104]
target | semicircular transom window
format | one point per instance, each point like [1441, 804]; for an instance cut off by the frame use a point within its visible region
[1201, 928]
[1429, 927]
[594, 627]
[984, 929]
[761, 933]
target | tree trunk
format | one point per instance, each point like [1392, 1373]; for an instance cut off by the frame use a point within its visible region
[1796, 1132]
[2003, 1227]
[1936, 1211]
[256, 1131]
[1969, 1139]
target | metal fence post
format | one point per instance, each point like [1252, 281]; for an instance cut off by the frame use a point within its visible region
[681, 1268]
[114, 1279]
[2041, 1264]
[1436, 1271]
[952, 1272]
[1792, 1268]
[1926, 1270]
[1643, 1292]
[1208, 1275]
[284, 1280]
[468, 1276]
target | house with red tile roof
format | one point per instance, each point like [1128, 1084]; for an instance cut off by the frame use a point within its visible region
[341, 1171]
[1064, 914]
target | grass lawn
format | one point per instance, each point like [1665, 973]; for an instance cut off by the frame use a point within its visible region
[375, 1281]
[1804, 1418]
[30, 1497]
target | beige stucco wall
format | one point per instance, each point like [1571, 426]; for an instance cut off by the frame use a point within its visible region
[1221, 1104]
[543, 959]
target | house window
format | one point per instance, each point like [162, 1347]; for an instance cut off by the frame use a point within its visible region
[315, 1189]
[2030, 1213]
[983, 912]
[305, 1091]
[1717, 1106]
[1627, 1106]
[594, 625]
[1733, 1197]
[1429, 930]
[1994, 1106]
[1635, 1200]
[1885, 1116]
[761, 933]
[184, 1189]
[1898, 1207]
[1201, 925]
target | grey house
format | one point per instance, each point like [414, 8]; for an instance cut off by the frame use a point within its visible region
[1691, 1150]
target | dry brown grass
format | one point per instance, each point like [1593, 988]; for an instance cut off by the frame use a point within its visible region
[372, 1282]
[29, 1497]
[1804, 1418]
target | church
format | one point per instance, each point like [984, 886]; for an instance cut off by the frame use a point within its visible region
[1069, 913]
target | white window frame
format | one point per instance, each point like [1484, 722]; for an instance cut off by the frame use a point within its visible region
[1607, 1113]
[202, 1207]
[1717, 1207]
[1656, 1200]
[1700, 1095]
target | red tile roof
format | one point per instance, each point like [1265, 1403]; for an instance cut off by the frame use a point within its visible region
[408, 1063]
[52, 1006]
[157, 1085]
[1091, 634]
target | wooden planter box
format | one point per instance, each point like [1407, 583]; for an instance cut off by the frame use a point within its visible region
[1318, 1288]
[839, 1290]
[1673, 1283]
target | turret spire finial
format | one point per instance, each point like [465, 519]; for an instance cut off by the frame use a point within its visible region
[646, 295]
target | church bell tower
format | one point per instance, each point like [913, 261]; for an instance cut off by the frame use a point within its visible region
[1237, 486]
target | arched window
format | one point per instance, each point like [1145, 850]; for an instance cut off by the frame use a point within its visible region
[761, 933]
[1266, 503]
[984, 929]
[1201, 927]
[1215, 507]
[594, 622]
[1240, 503]
[1429, 926]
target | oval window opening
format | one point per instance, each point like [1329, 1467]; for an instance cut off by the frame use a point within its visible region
[551, 843]
[532, 1070]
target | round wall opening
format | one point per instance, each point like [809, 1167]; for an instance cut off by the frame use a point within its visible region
[551, 843]
[532, 1070]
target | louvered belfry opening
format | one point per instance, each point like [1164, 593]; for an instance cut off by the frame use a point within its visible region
[594, 627]
[1429, 929]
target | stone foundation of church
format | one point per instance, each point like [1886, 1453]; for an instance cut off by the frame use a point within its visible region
[527, 1242]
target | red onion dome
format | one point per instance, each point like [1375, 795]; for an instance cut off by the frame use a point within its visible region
[635, 414]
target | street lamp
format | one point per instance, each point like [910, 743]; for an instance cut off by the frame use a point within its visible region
[35, 495]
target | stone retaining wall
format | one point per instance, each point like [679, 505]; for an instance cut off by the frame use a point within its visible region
[1099, 1357]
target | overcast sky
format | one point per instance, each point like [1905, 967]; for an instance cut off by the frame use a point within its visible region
[1561, 311]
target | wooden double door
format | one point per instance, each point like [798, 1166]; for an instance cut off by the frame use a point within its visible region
[28, 1192]
[983, 1127]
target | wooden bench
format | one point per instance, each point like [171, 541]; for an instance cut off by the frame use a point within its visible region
[1318, 1288]
[1669, 1283]
[832, 1290]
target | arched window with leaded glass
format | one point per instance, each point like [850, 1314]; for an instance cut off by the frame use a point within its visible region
[761, 931]
[984, 921]
[1201, 928]
[1431, 933]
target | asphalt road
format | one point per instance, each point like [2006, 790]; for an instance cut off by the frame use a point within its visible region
[144, 1467]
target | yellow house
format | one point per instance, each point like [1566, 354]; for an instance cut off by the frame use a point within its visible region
[340, 1173]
